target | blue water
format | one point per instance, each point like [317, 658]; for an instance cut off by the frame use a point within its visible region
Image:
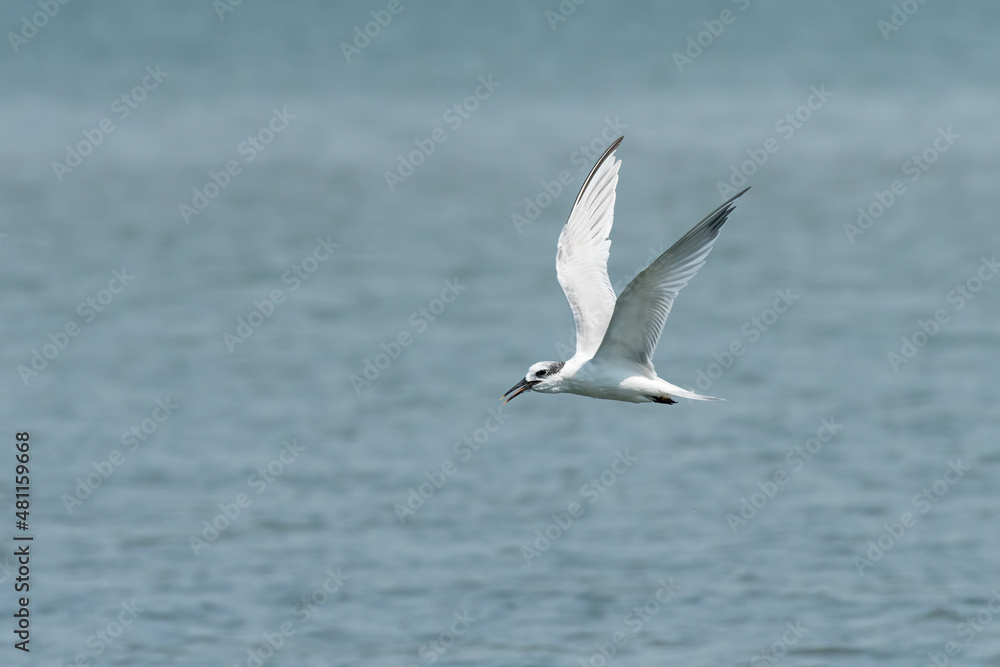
[198, 289]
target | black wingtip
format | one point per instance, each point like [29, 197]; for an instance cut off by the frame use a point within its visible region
[736, 196]
[597, 165]
[714, 221]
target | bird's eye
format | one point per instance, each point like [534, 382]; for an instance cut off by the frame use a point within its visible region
[541, 373]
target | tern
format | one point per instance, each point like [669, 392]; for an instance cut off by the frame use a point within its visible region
[615, 340]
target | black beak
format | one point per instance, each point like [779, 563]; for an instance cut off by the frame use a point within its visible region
[519, 389]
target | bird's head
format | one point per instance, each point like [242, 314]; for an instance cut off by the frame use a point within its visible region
[543, 377]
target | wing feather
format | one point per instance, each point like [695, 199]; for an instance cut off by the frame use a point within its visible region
[642, 309]
[582, 253]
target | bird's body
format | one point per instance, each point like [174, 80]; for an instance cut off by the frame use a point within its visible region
[598, 378]
[615, 339]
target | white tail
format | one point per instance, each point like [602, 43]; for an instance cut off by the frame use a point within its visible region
[685, 393]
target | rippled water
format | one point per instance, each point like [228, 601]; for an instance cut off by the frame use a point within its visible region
[208, 481]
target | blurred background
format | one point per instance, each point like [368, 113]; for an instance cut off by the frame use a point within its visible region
[266, 269]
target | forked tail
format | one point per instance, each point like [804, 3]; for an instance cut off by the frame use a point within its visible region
[685, 393]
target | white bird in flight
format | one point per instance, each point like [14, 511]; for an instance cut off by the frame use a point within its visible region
[615, 340]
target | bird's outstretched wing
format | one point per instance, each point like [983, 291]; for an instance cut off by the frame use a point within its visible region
[644, 305]
[582, 255]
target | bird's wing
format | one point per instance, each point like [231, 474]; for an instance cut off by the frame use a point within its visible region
[643, 307]
[582, 255]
